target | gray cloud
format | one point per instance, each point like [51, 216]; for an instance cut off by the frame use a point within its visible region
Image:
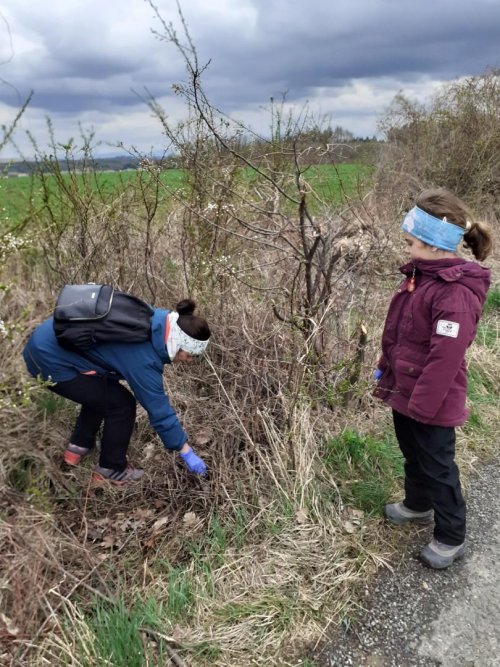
[87, 57]
[397, 39]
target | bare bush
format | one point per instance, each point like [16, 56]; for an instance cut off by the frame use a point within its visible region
[453, 142]
[285, 293]
[267, 215]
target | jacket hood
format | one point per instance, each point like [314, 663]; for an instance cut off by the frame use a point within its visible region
[475, 277]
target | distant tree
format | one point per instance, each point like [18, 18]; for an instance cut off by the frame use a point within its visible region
[454, 142]
[342, 136]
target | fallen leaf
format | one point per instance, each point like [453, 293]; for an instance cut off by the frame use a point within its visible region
[108, 542]
[158, 525]
[130, 524]
[202, 437]
[143, 513]
[301, 517]
[179, 633]
[9, 625]
[149, 450]
[190, 520]
[262, 502]
[349, 527]
[151, 541]
[93, 534]
[124, 525]
[305, 597]
[102, 522]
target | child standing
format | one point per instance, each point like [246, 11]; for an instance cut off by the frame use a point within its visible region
[432, 320]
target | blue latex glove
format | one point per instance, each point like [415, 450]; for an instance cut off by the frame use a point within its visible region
[377, 374]
[194, 463]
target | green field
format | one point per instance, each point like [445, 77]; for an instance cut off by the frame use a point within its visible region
[330, 183]
[333, 183]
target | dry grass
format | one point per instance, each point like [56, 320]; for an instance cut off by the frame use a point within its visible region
[260, 559]
[267, 597]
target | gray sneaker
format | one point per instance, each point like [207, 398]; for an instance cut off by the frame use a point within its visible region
[398, 513]
[119, 477]
[438, 555]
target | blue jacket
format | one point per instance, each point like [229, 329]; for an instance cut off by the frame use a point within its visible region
[140, 364]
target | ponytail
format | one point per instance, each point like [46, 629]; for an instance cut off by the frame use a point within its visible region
[479, 240]
[185, 307]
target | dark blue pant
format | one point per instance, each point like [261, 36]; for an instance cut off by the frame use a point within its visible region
[103, 400]
[432, 480]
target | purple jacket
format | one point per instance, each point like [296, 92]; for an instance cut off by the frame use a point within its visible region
[426, 335]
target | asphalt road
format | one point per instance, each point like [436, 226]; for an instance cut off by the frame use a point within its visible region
[419, 617]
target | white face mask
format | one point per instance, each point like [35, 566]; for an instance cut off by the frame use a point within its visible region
[179, 340]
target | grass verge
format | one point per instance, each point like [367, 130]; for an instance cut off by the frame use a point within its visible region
[368, 467]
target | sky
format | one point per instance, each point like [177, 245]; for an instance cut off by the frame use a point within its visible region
[89, 64]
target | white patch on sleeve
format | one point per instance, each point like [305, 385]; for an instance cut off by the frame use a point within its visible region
[447, 328]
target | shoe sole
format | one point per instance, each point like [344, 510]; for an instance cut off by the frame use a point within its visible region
[99, 480]
[402, 522]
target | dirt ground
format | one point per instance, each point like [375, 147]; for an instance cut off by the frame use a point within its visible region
[417, 617]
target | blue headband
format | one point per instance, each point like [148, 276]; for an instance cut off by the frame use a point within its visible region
[433, 231]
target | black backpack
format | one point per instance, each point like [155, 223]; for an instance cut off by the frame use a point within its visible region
[86, 315]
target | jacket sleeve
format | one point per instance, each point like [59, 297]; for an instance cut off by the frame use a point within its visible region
[453, 330]
[147, 385]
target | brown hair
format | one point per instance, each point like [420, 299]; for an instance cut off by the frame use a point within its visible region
[192, 325]
[443, 204]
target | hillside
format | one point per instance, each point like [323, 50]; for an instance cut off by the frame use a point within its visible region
[118, 163]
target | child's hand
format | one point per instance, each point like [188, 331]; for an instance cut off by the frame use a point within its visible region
[194, 463]
[377, 374]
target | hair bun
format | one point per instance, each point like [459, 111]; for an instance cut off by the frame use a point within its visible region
[185, 307]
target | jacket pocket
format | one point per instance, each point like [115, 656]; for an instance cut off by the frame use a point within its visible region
[406, 374]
